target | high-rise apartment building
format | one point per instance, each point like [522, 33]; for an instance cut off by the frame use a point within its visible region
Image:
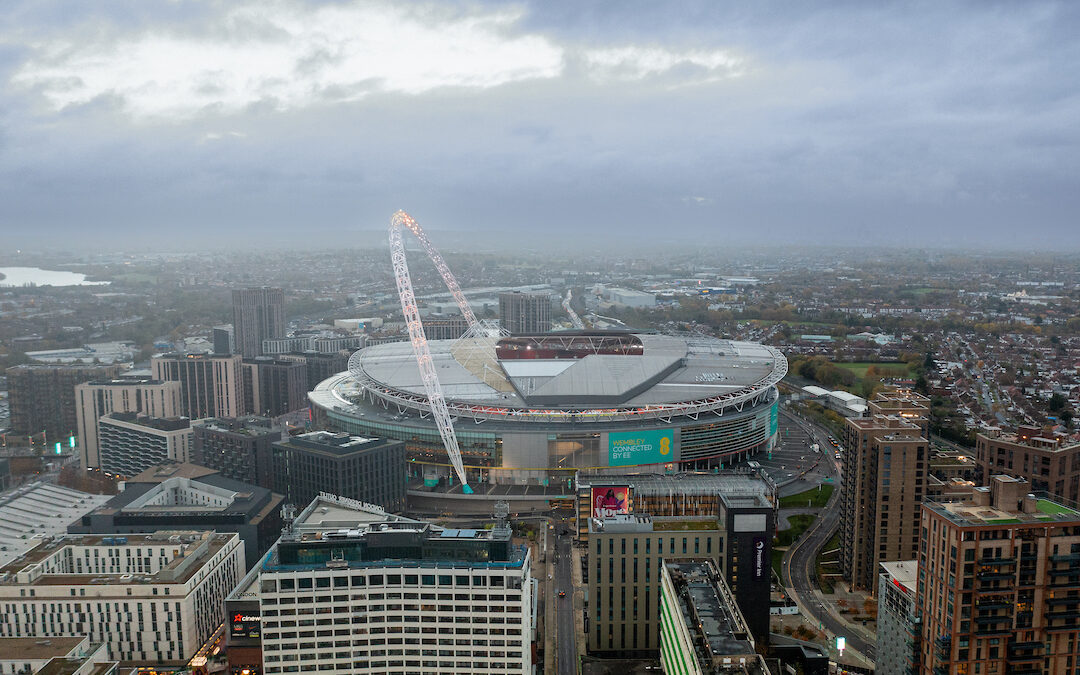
[274, 386]
[153, 597]
[239, 448]
[93, 400]
[703, 631]
[42, 397]
[258, 314]
[323, 366]
[445, 327]
[383, 594]
[886, 469]
[998, 579]
[130, 443]
[632, 523]
[211, 385]
[899, 632]
[1048, 461]
[525, 313]
[372, 470]
[224, 340]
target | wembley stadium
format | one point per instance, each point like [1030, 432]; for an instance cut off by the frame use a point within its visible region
[528, 409]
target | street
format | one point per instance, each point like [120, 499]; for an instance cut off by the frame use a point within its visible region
[799, 561]
[565, 638]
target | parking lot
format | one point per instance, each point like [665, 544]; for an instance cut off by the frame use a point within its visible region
[793, 465]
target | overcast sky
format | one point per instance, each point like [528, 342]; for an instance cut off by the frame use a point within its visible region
[946, 123]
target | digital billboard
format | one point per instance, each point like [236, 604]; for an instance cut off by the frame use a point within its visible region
[641, 447]
[610, 501]
[246, 625]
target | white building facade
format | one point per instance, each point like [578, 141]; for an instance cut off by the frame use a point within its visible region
[153, 597]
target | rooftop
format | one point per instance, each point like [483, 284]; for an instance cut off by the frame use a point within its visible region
[334, 443]
[39, 648]
[196, 549]
[729, 483]
[38, 510]
[903, 573]
[663, 370]
[184, 489]
[721, 637]
[337, 531]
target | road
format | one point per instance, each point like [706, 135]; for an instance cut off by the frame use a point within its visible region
[799, 561]
[565, 637]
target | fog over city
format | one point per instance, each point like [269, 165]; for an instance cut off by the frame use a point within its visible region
[919, 124]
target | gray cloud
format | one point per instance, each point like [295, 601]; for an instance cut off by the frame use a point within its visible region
[924, 123]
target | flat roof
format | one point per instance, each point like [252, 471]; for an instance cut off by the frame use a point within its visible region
[35, 648]
[701, 483]
[903, 572]
[216, 541]
[37, 510]
[1047, 510]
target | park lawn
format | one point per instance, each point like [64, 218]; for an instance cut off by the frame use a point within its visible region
[799, 523]
[859, 368]
[812, 497]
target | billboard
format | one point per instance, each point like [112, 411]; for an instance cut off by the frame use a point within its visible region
[641, 447]
[246, 625]
[774, 417]
[610, 501]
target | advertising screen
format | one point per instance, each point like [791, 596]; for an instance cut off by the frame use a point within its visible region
[774, 417]
[246, 625]
[610, 501]
[641, 447]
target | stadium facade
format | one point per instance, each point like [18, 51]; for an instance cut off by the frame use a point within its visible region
[530, 409]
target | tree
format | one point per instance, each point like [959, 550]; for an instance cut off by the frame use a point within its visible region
[1057, 403]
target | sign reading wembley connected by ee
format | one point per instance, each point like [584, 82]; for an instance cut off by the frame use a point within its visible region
[641, 447]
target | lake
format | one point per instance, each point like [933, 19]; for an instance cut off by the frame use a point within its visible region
[21, 276]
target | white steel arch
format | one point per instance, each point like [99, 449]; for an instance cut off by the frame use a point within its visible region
[399, 221]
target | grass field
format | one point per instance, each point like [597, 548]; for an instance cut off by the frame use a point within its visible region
[814, 496]
[860, 368]
[799, 523]
[777, 560]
